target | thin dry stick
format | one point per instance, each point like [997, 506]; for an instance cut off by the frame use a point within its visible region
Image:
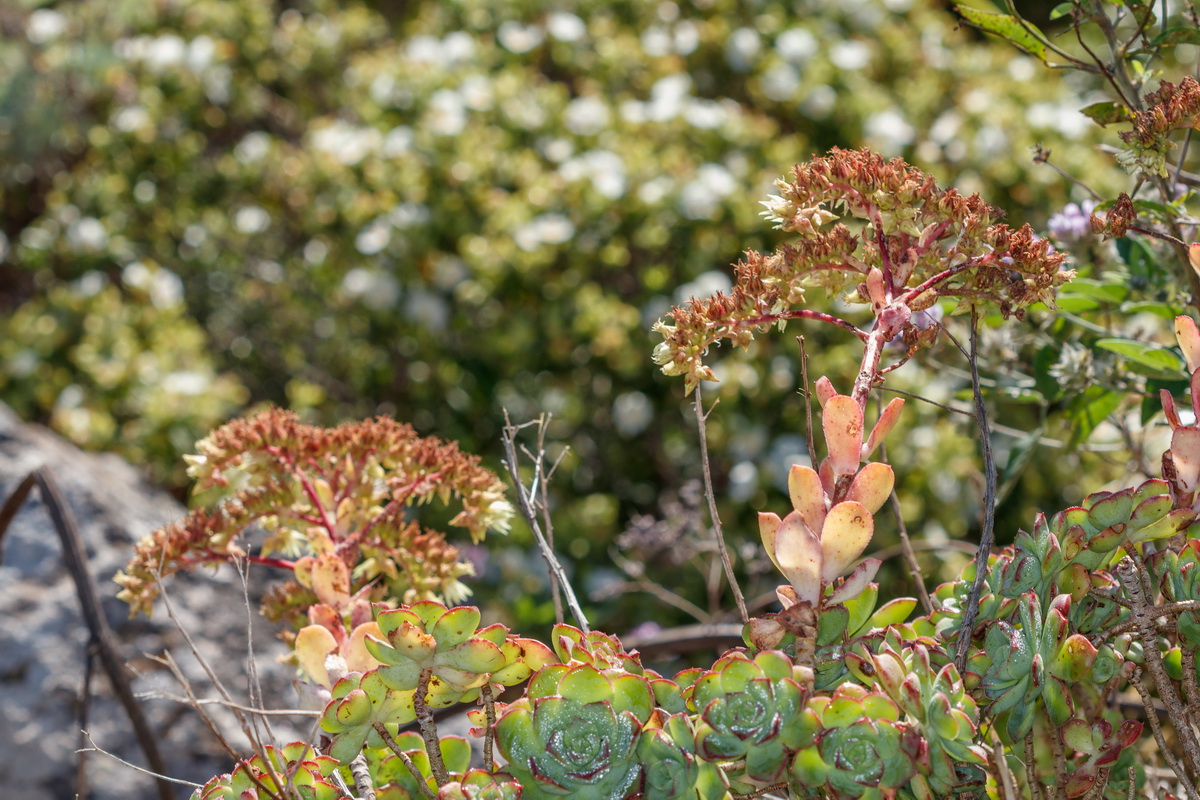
[1007, 781]
[429, 731]
[543, 480]
[247, 730]
[807, 392]
[405, 760]
[102, 638]
[95, 748]
[989, 501]
[489, 711]
[508, 438]
[362, 777]
[1144, 615]
[718, 534]
[190, 699]
[215, 701]
[1035, 790]
[1167, 754]
[1060, 764]
[638, 582]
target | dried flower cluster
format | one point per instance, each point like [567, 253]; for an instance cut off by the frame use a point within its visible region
[926, 243]
[1173, 107]
[346, 492]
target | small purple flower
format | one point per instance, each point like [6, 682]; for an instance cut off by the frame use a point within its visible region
[1072, 224]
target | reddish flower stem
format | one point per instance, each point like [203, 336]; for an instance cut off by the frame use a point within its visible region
[266, 561]
[805, 313]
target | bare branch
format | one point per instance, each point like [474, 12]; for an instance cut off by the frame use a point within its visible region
[718, 533]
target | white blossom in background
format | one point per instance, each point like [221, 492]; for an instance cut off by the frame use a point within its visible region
[397, 141]
[200, 54]
[706, 284]
[163, 287]
[742, 49]
[546, 229]
[654, 190]
[373, 238]
[375, 289]
[850, 55]
[518, 38]
[45, 25]
[251, 219]
[889, 131]
[476, 92]
[427, 309]
[130, 119]
[603, 168]
[586, 116]
[253, 147]
[656, 41]
[406, 215]
[87, 235]
[797, 45]
[348, 144]
[632, 413]
[700, 198]
[709, 114]
[781, 82]
[447, 115]
[687, 37]
[565, 26]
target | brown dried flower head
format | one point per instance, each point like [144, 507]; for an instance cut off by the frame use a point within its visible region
[348, 491]
[1173, 107]
[857, 214]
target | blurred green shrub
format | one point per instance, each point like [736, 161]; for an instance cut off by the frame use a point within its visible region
[443, 210]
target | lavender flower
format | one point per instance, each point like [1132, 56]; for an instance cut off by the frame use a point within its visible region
[1071, 225]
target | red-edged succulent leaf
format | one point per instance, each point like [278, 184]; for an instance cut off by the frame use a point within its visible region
[842, 421]
[883, 426]
[807, 495]
[872, 485]
[1189, 341]
[455, 626]
[848, 530]
[857, 581]
[1169, 410]
[798, 556]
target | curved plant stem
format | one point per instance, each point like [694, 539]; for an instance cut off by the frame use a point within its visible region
[989, 502]
[1035, 790]
[362, 778]
[718, 534]
[1167, 754]
[489, 710]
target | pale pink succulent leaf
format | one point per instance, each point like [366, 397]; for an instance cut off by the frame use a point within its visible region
[872, 485]
[1195, 385]
[1189, 341]
[875, 290]
[825, 390]
[856, 581]
[358, 658]
[768, 525]
[807, 495]
[331, 581]
[1185, 451]
[798, 556]
[313, 643]
[883, 426]
[842, 421]
[828, 479]
[848, 530]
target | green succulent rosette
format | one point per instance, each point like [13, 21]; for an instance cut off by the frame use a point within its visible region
[359, 702]
[749, 709]
[477, 784]
[575, 733]
[673, 770]
[857, 747]
[296, 764]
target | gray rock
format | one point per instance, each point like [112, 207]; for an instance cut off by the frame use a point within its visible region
[43, 636]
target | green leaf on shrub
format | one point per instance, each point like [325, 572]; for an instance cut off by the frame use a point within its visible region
[1091, 408]
[1061, 10]
[1174, 36]
[1007, 27]
[1152, 356]
[1105, 113]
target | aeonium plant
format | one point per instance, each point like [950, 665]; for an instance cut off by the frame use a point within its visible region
[1004, 687]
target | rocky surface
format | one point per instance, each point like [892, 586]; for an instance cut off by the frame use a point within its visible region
[43, 636]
